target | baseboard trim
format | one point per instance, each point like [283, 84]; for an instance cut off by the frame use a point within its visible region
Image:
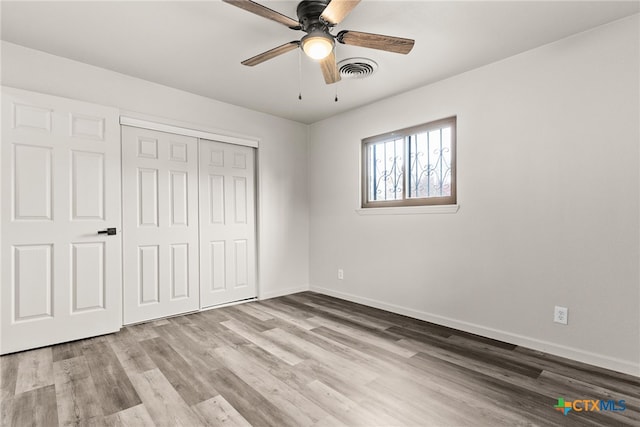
[596, 359]
[282, 292]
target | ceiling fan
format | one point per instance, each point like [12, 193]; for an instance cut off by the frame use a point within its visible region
[317, 18]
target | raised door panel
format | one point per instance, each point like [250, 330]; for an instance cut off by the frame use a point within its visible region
[31, 117]
[84, 126]
[149, 274]
[147, 147]
[178, 152]
[179, 274]
[32, 282]
[216, 157]
[147, 198]
[240, 160]
[87, 185]
[217, 266]
[240, 263]
[88, 271]
[240, 199]
[216, 199]
[178, 198]
[32, 183]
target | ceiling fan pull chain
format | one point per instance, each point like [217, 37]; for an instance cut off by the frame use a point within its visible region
[336, 100]
[300, 74]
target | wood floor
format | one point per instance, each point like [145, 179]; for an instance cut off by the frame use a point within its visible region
[302, 360]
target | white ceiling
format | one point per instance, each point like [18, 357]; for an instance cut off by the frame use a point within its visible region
[197, 46]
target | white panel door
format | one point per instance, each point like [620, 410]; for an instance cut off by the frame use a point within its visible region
[227, 223]
[60, 184]
[160, 214]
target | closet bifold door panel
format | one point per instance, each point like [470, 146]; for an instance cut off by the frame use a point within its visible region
[160, 216]
[60, 248]
[227, 223]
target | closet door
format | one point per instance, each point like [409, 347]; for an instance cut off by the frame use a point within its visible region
[227, 223]
[60, 279]
[160, 215]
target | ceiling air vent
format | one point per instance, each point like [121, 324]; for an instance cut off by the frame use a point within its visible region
[357, 68]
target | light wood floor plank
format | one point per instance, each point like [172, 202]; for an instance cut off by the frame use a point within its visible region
[242, 317]
[163, 403]
[274, 312]
[343, 409]
[36, 407]
[35, 370]
[376, 357]
[252, 310]
[136, 416]
[143, 331]
[253, 406]
[182, 376]
[385, 344]
[287, 306]
[206, 329]
[66, 350]
[131, 355]
[194, 351]
[467, 358]
[8, 375]
[217, 411]
[326, 355]
[115, 391]
[412, 408]
[295, 378]
[76, 393]
[355, 318]
[329, 421]
[259, 340]
[302, 410]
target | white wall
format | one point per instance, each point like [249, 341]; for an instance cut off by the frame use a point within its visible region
[548, 187]
[282, 155]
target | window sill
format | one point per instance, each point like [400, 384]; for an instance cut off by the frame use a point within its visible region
[410, 210]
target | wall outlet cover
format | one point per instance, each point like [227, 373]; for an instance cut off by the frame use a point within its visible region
[561, 315]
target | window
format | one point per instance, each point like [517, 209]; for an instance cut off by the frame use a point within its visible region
[410, 167]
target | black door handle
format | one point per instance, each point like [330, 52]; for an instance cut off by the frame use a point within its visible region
[108, 231]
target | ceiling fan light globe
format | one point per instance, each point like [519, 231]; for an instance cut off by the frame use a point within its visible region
[317, 47]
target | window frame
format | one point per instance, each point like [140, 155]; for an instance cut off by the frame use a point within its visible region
[404, 134]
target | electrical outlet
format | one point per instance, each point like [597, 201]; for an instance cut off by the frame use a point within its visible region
[340, 274]
[561, 315]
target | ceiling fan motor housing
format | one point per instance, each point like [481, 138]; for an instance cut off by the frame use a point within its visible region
[309, 12]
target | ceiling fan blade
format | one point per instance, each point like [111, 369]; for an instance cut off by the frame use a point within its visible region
[265, 56]
[376, 41]
[337, 10]
[330, 69]
[265, 12]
